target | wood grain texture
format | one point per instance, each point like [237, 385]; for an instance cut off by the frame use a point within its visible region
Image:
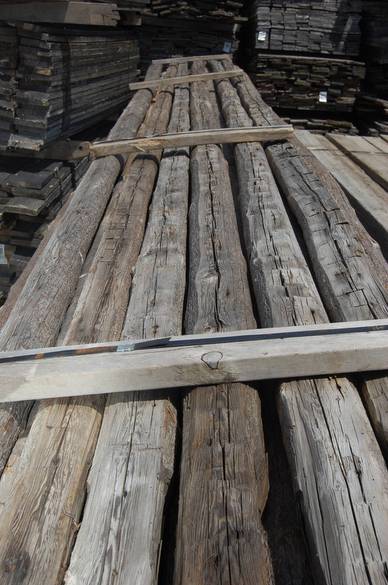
[372, 157]
[51, 476]
[336, 463]
[353, 286]
[137, 440]
[367, 197]
[241, 104]
[224, 476]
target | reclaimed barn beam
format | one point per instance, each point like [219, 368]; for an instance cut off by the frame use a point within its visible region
[59, 448]
[136, 444]
[224, 472]
[323, 420]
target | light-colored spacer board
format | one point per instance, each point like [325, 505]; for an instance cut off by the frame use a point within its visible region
[176, 60]
[165, 81]
[73, 149]
[176, 367]
[184, 139]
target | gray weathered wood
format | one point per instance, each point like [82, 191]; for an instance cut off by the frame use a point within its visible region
[323, 421]
[371, 158]
[137, 439]
[51, 473]
[368, 198]
[216, 362]
[352, 284]
[224, 476]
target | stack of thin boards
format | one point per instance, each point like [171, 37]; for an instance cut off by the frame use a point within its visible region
[67, 80]
[159, 38]
[196, 9]
[189, 28]
[308, 83]
[303, 54]
[31, 194]
[307, 26]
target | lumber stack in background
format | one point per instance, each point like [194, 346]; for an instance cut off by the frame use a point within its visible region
[302, 55]
[67, 80]
[31, 194]
[372, 105]
[177, 27]
[296, 82]
[307, 26]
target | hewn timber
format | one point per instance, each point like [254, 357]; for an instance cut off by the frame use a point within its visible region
[137, 438]
[353, 285]
[323, 421]
[50, 478]
[247, 108]
[367, 197]
[224, 475]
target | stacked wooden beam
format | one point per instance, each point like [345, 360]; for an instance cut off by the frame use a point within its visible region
[67, 80]
[304, 26]
[307, 83]
[31, 194]
[376, 47]
[132, 491]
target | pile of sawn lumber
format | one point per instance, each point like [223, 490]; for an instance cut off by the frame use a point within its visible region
[31, 194]
[189, 28]
[67, 79]
[308, 83]
[138, 487]
[300, 52]
[307, 26]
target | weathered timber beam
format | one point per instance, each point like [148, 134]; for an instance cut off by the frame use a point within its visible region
[291, 357]
[60, 454]
[176, 60]
[323, 420]
[165, 82]
[137, 437]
